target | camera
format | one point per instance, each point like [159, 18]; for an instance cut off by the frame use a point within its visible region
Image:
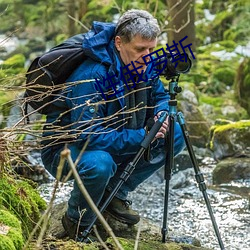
[172, 65]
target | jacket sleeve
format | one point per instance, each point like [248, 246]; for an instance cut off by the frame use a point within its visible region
[88, 122]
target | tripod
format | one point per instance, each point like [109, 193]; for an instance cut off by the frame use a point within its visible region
[169, 163]
[173, 90]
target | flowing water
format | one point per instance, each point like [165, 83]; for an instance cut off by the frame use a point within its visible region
[187, 212]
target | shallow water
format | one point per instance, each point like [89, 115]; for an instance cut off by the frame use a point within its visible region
[187, 212]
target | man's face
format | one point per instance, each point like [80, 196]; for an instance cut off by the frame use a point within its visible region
[135, 50]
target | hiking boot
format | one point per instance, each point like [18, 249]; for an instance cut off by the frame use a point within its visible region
[121, 211]
[75, 231]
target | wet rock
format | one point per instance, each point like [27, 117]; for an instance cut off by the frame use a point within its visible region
[181, 179]
[231, 169]
[197, 125]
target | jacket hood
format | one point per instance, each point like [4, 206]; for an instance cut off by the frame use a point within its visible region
[98, 42]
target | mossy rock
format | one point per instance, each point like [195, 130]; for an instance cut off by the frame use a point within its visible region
[231, 169]
[232, 139]
[128, 244]
[22, 200]
[10, 231]
[150, 235]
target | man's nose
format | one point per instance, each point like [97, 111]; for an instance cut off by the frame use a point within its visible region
[146, 56]
[147, 51]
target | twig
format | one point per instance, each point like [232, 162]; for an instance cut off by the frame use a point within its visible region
[99, 238]
[137, 236]
[77, 21]
[66, 154]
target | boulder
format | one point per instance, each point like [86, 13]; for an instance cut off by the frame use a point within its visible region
[197, 125]
[230, 140]
[231, 169]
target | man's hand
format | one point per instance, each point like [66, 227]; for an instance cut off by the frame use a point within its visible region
[164, 128]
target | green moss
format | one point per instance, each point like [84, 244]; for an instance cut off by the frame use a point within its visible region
[16, 237]
[239, 128]
[128, 244]
[228, 45]
[13, 71]
[6, 243]
[22, 200]
[17, 61]
[224, 75]
[13, 239]
[212, 100]
[9, 219]
[235, 125]
[13, 65]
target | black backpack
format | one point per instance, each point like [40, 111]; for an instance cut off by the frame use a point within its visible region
[47, 74]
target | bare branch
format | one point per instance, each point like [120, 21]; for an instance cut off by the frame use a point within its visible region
[66, 154]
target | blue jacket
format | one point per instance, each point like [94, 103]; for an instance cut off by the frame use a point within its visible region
[89, 116]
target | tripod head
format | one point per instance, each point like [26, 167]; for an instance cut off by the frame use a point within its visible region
[174, 89]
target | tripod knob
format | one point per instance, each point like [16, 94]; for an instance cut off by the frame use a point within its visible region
[177, 89]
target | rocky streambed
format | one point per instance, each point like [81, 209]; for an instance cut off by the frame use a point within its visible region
[188, 215]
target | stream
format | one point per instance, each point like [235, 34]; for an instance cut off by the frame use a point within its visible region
[187, 212]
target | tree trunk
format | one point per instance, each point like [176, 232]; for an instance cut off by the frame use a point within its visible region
[71, 6]
[181, 22]
[83, 7]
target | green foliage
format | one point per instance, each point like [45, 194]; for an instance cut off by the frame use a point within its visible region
[219, 102]
[6, 243]
[13, 239]
[22, 200]
[242, 84]
[214, 101]
[17, 61]
[13, 66]
[229, 23]
[224, 75]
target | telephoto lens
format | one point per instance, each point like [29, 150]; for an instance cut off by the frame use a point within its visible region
[173, 65]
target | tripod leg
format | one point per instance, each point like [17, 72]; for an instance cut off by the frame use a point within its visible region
[168, 173]
[199, 177]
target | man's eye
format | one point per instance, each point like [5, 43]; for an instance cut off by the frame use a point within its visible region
[140, 49]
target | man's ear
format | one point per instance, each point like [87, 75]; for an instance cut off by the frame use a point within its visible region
[118, 42]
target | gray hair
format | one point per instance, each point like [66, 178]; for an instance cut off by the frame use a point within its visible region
[137, 22]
